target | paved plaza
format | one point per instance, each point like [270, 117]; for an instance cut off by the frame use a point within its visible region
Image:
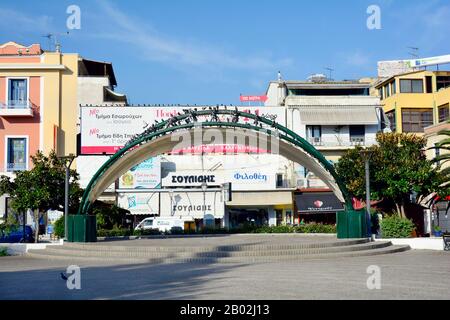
[408, 275]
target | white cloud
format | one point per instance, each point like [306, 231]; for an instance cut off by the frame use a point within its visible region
[153, 45]
[14, 22]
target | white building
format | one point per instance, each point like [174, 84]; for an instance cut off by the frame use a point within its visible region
[334, 116]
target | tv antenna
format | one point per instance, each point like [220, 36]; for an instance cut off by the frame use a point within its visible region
[414, 53]
[330, 70]
[53, 40]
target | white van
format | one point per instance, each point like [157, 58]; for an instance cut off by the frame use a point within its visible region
[161, 224]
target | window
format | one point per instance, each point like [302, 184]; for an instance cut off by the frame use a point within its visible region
[17, 93]
[391, 117]
[429, 84]
[411, 86]
[442, 82]
[387, 92]
[380, 93]
[16, 154]
[444, 113]
[416, 120]
[314, 134]
[394, 87]
[357, 134]
[280, 181]
[148, 223]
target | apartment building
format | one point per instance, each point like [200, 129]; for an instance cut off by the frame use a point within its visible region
[415, 100]
[40, 92]
[334, 116]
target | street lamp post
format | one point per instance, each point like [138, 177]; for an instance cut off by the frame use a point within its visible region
[366, 154]
[204, 188]
[67, 162]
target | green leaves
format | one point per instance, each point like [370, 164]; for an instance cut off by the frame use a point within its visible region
[42, 188]
[396, 227]
[398, 167]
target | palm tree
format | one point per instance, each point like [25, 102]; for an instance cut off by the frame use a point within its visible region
[443, 154]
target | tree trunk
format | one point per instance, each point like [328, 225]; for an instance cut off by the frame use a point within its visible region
[399, 211]
[36, 223]
[402, 208]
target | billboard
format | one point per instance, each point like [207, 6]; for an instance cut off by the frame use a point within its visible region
[196, 205]
[105, 130]
[139, 203]
[146, 175]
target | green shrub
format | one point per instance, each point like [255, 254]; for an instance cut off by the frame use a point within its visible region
[316, 228]
[275, 229]
[396, 227]
[59, 227]
[3, 252]
[116, 232]
[307, 228]
[149, 232]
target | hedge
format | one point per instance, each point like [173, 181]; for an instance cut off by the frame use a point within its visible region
[396, 227]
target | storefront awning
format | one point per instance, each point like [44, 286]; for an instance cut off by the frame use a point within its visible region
[261, 199]
[318, 202]
[339, 115]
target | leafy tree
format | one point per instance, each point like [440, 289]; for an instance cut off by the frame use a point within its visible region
[109, 216]
[41, 188]
[444, 147]
[398, 168]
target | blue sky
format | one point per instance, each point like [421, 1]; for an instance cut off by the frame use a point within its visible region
[210, 51]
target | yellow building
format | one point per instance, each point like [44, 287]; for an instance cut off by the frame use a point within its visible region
[38, 104]
[415, 100]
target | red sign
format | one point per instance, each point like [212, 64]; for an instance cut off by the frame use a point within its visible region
[254, 98]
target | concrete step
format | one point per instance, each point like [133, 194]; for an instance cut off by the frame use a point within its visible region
[222, 260]
[245, 247]
[201, 252]
[72, 254]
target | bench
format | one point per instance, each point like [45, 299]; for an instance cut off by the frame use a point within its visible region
[446, 237]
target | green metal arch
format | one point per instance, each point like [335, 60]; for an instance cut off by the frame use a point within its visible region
[162, 129]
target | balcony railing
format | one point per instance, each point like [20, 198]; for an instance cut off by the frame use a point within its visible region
[315, 141]
[16, 108]
[353, 141]
[357, 141]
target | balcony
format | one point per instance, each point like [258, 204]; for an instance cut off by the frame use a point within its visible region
[337, 144]
[16, 109]
[357, 141]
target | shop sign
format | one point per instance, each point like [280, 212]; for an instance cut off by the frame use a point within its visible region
[198, 205]
[191, 180]
[318, 202]
[139, 203]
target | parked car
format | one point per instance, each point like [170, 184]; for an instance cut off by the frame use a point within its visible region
[16, 235]
[161, 224]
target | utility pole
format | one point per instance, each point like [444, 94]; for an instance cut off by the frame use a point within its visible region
[67, 161]
[366, 154]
